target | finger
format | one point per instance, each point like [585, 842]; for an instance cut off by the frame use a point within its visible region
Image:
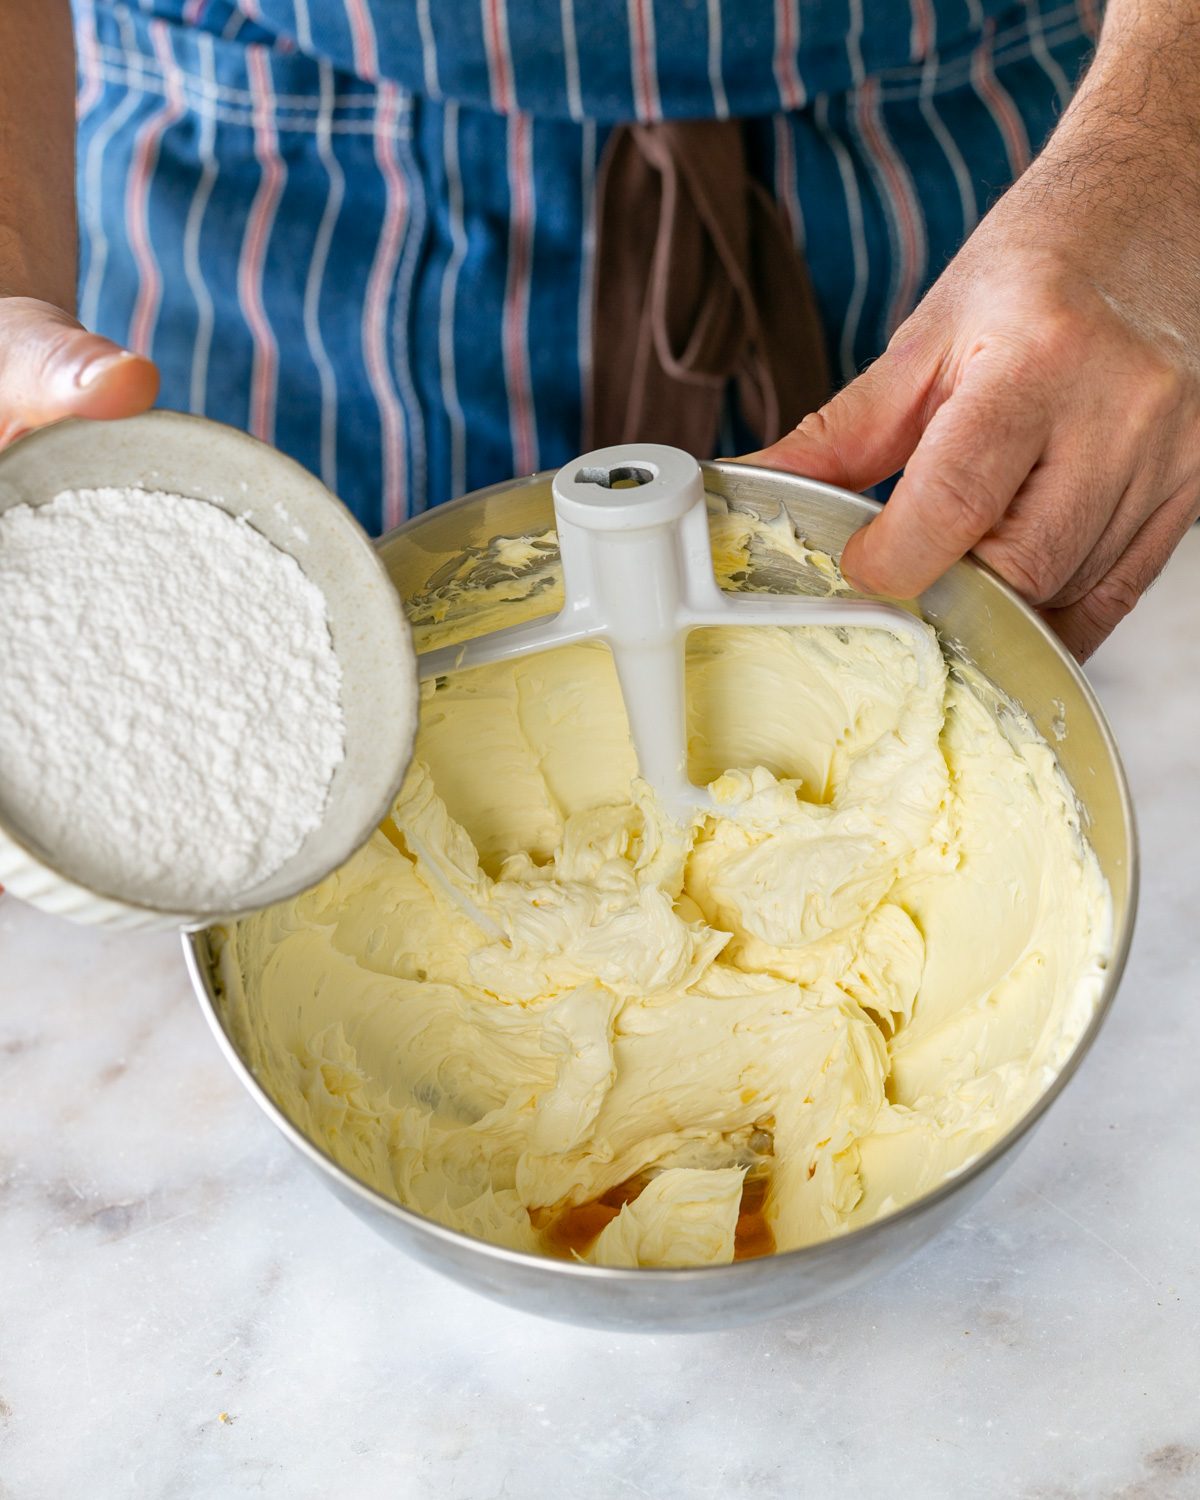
[1134, 508]
[974, 456]
[1160, 471]
[868, 430]
[1058, 517]
[50, 367]
[1084, 625]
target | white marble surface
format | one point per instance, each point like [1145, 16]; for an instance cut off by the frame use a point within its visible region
[185, 1312]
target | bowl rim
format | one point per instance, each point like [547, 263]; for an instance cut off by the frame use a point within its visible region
[197, 958]
[357, 538]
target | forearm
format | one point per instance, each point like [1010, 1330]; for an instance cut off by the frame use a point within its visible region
[1146, 62]
[1141, 87]
[37, 151]
[1113, 200]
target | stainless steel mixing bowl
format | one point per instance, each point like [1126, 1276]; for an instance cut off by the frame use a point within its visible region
[979, 618]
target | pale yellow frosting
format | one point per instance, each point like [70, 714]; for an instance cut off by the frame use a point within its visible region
[534, 1009]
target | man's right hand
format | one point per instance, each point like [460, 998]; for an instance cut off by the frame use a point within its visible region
[51, 367]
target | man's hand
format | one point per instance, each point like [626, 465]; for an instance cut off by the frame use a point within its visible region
[50, 367]
[1044, 398]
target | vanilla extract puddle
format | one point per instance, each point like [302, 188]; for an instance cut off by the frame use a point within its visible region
[572, 1231]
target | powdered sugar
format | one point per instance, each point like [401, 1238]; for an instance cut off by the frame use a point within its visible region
[170, 717]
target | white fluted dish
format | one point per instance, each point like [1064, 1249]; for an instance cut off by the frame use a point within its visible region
[205, 460]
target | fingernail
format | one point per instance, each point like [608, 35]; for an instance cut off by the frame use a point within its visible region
[94, 369]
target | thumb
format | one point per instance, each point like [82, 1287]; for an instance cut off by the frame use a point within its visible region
[867, 431]
[51, 367]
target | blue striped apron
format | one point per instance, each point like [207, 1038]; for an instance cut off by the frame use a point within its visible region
[363, 229]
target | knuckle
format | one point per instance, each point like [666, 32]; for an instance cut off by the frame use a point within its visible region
[1111, 599]
[1056, 337]
[817, 426]
[1030, 569]
[1164, 388]
[1072, 591]
[825, 430]
[50, 351]
[962, 503]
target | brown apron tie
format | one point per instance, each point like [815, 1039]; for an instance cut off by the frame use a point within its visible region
[698, 282]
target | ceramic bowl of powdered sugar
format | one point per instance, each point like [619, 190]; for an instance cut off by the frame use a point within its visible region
[208, 693]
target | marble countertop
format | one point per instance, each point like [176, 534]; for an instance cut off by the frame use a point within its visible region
[186, 1312]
